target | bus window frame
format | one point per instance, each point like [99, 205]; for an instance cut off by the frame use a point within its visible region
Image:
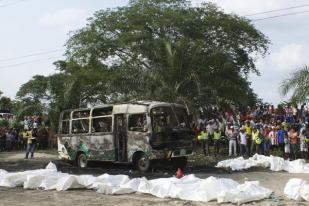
[74, 119]
[98, 117]
[147, 122]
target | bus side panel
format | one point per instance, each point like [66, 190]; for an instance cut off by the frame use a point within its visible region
[63, 148]
[138, 141]
[101, 147]
[96, 147]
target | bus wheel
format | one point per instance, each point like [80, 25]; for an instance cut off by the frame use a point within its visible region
[141, 162]
[179, 162]
[82, 160]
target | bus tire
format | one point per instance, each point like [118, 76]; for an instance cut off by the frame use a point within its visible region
[141, 162]
[179, 162]
[81, 160]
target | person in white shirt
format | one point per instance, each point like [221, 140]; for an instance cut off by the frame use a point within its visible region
[242, 140]
[232, 136]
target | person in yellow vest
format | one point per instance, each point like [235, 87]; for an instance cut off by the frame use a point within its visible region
[217, 138]
[285, 125]
[30, 135]
[203, 138]
[257, 140]
[248, 132]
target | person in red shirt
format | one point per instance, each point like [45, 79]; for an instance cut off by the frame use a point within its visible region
[293, 143]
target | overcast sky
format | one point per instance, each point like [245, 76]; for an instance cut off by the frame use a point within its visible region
[43, 26]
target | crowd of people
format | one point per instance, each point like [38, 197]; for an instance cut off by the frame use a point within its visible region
[24, 135]
[243, 132]
[264, 130]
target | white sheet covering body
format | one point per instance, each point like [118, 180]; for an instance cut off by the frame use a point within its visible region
[272, 162]
[297, 189]
[187, 188]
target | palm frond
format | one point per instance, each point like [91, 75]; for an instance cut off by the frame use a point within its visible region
[298, 83]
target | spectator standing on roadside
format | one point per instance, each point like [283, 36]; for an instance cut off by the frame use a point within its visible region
[273, 135]
[242, 139]
[293, 141]
[281, 133]
[28, 135]
[287, 147]
[303, 144]
[266, 142]
[217, 139]
[2, 140]
[257, 139]
[248, 131]
[203, 138]
[232, 136]
[289, 114]
[9, 140]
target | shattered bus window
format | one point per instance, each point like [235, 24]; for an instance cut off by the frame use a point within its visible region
[138, 122]
[80, 126]
[65, 127]
[102, 124]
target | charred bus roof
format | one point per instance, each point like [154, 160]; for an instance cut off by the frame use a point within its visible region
[128, 107]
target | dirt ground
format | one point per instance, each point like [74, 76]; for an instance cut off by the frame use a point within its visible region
[18, 196]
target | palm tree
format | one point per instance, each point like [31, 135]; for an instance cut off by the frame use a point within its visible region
[298, 83]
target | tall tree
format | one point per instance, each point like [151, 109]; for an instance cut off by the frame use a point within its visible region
[172, 51]
[164, 50]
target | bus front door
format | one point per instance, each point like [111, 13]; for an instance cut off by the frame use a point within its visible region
[120, 128]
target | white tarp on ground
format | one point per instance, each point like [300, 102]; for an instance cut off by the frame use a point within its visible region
[187, 188]
[297, 189]
[274, 163]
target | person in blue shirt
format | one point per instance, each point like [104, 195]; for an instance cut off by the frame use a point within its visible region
[281, 133]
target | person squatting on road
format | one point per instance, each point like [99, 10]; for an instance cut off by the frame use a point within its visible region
[31, 136]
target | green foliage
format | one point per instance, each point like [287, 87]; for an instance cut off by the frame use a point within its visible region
[4, 123]
[6, 103]
[298, 83]
[154, 50]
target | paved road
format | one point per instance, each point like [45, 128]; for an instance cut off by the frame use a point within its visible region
[18, 196]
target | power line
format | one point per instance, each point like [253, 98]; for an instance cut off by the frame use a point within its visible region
[275, 10]
[28, 62]
[30, 55]
[286, 14]
[13, 3]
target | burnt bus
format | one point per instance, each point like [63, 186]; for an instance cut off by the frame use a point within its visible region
[137, 133]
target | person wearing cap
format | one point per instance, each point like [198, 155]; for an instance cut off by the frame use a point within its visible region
[242, 140]
[232, 136]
